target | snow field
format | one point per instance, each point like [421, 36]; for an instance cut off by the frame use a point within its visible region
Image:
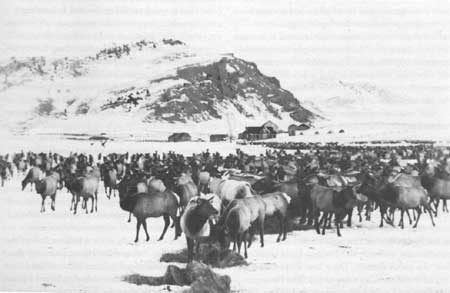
[61, 252]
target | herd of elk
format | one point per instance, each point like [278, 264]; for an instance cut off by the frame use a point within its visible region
[206, 197]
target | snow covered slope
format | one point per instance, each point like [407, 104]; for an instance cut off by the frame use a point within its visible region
[362, 102]
[366, 111]
[144, 89]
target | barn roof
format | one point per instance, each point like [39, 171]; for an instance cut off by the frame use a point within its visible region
[253, 129]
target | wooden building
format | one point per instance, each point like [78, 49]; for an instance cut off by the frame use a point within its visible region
[218, 137]
[179, 136]
[257, 133]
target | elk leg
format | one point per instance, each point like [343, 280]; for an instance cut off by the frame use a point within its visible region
[43, 205]
[317, 222]
[138, 227]
[245, 243]
[176, 220]
[251, 233]
[310, 218]
[166, 225]
[75, 204]
[261, 231]
[144, 224]
[190, 247]
[401, 219]
[53, 201]
[349, 218]
[444, 206]
[428, 208]
[285, 222]
[409, 216]
[337, 222]
[129, 218]
[280, 218]
[419, 212]
[330, 218]
[325, 218]
[197, 250]
[239, 242]
[92, 205]
[368, 211]
[96, 200]
[72, 202]
[381, 217]
[360, 209]
[392, 214]
[436, 205]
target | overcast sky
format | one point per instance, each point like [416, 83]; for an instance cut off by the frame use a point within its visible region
[403, 46]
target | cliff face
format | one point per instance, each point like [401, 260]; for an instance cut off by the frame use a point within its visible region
[229, 82]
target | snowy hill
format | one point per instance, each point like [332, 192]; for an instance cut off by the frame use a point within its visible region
[144, 89]
[353, 102]
[366, 111]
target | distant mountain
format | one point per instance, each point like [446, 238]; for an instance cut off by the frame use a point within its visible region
[359, 102]
[144, 86]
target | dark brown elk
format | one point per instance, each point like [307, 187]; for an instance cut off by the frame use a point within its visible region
[330, 201]
[438, 188]
[396, 196]
[145, 205]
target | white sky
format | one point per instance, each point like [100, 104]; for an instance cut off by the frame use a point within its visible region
[400, 45]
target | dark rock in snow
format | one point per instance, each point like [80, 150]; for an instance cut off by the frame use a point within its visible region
[197, 275]
[203, 279]
[209, 254]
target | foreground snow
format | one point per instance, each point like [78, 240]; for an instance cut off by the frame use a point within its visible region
[61, 252]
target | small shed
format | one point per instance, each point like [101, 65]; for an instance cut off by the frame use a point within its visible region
[218, 137]
[179, 136]
[303, 127]
[293, 128]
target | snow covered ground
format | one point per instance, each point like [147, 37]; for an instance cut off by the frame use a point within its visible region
[370, 131]
[61, 252]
